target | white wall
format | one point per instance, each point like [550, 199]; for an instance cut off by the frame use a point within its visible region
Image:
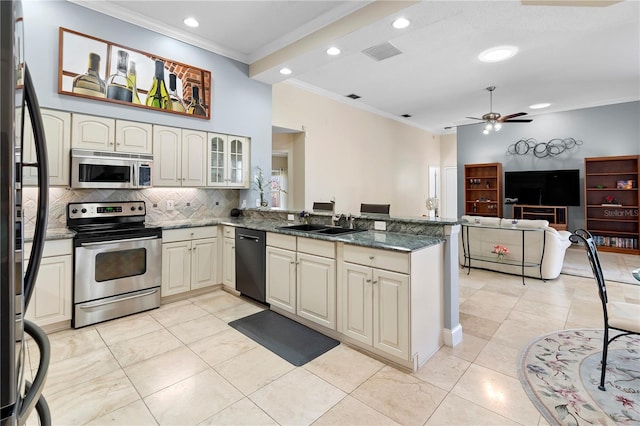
[356, 156]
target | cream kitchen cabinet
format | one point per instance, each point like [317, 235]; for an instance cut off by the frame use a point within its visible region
[107, 134]
[301, 277]
[189, 259]
[229, 257]
[51, 299]
[281, 271]
[390, 302]
[228, 161]
[57, 130]
[180, 157]
[375, 308]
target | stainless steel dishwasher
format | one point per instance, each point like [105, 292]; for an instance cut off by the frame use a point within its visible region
[251, 263]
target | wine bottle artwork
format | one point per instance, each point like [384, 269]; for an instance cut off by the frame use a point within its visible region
[176, 102]
[158, 96]
[90, 83]
[119, 86]
[195, 107]
[133, 80]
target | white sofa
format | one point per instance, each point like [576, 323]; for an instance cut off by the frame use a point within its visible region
[548, 245]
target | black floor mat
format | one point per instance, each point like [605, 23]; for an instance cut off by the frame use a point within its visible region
[289, 340]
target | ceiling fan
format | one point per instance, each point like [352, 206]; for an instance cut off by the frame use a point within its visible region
[494, 120]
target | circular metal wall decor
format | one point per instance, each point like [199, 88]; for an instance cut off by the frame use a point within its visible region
[552, 148]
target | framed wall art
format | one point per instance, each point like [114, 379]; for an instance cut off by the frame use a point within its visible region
[99, 70]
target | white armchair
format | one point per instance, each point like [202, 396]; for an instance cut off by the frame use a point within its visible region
[545, 249]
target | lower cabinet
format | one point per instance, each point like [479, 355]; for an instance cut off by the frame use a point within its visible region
[189, 259]
[375, 308]
[301, 277]
[229, 257]
[51, 299]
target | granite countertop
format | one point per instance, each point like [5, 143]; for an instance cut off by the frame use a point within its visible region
[376, 239]
[52, 234]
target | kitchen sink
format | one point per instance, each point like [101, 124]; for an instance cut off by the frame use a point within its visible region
[308, 227]
[337, 231]
[319, 229]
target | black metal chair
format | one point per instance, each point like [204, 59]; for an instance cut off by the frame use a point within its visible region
[619, 316]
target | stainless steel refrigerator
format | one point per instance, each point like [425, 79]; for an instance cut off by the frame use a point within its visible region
[20, 392]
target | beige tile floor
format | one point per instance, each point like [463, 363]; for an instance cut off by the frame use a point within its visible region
[182, 364]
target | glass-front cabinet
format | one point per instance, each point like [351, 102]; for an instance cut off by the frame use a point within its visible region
[229, 161]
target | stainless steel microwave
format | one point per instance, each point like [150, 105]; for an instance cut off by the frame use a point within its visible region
[110, 170]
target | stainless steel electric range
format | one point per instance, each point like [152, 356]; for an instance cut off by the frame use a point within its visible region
[117, 261]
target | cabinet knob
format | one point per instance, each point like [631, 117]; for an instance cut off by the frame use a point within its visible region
[292, 262]
[368, 280]
[375, 281]
[371, 257]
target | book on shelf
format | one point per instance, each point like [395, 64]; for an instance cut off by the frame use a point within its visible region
[621, 242]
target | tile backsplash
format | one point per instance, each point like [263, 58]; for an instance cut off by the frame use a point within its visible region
[189, 203]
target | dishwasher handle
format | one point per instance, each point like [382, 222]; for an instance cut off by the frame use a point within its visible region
[249, 237]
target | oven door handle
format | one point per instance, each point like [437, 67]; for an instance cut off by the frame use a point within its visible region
[119, 299]
[102, 243]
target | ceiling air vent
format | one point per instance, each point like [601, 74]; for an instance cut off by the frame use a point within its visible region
[382, 51]
[353, 96]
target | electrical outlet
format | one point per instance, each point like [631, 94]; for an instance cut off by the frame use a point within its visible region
[171, 204]
[291, 217]
[244, 204]
[380, 225]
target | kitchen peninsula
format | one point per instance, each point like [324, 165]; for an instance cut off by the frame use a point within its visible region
[392, 293]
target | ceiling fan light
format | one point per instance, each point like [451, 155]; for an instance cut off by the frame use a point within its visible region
[498, 53]
[488, 127]
[497, 127]
[485, 131]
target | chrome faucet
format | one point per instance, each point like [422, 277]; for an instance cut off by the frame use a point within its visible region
[336, 219]
[350, 218]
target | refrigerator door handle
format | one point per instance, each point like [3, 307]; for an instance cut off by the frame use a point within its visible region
[33, 395]
[31, 101]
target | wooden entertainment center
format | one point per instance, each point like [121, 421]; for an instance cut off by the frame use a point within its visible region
[556, 215]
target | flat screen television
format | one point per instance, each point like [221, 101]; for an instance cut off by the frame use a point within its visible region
[543, 187]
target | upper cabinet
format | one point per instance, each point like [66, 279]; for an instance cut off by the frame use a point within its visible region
[57, 130]
[108, 134]
[134, 137]
[180, 157]
[228, 162]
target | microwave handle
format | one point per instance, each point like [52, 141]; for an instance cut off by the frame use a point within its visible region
[133, 175]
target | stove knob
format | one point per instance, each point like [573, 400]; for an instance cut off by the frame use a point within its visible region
[133, 208]
[140, 208]
[74, 211]
[83, 210]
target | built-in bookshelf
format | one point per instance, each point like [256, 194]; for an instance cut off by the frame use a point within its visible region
[483, 189]
[611, 202]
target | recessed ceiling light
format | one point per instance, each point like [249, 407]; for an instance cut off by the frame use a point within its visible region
[540, 106]
[285, 71]
[401, 23]
[333, 51]
[191, 22]
[497, 54]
